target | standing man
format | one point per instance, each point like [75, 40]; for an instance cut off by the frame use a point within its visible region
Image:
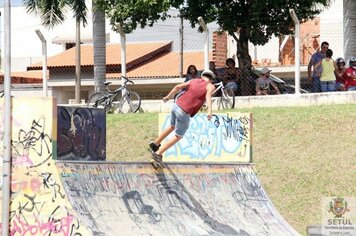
[315, 62]
[187, 105]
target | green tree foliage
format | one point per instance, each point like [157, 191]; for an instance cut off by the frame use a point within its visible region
[52, 12]
[133, 13]
[254, 21]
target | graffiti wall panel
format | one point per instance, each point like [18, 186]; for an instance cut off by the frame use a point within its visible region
[226, 137]
[81, 134]
[179, 200]
[38, 202]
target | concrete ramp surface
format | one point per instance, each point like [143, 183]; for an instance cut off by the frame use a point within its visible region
[182, 199]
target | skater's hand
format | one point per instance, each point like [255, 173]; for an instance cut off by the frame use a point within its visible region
[209, 116]
[165, 99]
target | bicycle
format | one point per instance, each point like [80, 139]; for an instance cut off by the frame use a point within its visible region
[226, 100]
[121, 100]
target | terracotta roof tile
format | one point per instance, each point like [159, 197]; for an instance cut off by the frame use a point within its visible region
[144, 60]
[134, 52]
[25, 77]
[166, 65]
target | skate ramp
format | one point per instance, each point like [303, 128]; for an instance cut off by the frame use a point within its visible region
[182, 199]
[102, 198]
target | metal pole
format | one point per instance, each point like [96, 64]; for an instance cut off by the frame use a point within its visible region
[181, 61]
[44, 61]
[206, 42]
[77, 63]
[297, 50]
[349, 28]
[6, 177]
[123, 52]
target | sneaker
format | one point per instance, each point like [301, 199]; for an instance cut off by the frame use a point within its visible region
[156, 157]
[153, 146]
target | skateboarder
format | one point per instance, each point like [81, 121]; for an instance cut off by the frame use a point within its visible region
[187, 105]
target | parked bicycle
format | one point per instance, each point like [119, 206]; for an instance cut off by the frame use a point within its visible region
[226, 96]
[121, 100]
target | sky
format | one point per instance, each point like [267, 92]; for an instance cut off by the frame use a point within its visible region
[13, 3]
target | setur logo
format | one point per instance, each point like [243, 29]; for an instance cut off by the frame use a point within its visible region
[339, 216]
[338, 207]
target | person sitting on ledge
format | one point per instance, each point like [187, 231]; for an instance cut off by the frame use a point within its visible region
[264, 83]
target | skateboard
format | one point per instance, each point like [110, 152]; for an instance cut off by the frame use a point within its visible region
[157, 164]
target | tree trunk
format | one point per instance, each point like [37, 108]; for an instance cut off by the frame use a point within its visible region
[77, 63]
[349, 29]
[244, 62]
[99, 44]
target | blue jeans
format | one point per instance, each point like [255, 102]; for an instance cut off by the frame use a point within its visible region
[316, 84]
[352, 88]
[339, 86]
[180, 120]
[327, 86]
[233, 85]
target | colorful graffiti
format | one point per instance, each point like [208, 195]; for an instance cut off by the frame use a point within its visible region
[38, 205]
[81, 134]
[182, 199]
[226, 138]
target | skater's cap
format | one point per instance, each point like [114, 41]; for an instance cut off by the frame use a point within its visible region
[208, 73]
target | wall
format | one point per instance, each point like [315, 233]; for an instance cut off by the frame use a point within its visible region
[285, 100]
[38, 202]
[331, 28]
[349, 21]
[81, 134]
[220, 47]
[227, 137]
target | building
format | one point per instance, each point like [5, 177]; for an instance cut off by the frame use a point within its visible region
[155, 71]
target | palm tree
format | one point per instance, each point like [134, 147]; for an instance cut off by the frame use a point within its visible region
[51, 13]
[99, 44]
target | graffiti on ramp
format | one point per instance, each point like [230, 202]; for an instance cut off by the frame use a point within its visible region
[186, 199]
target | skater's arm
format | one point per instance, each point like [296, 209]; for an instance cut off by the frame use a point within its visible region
[175, 90]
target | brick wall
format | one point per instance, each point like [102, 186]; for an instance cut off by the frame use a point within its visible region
[219, 49]
[310, 43]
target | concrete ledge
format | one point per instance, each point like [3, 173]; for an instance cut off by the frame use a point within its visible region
[284, 100]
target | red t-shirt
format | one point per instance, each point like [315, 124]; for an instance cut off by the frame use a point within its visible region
[194, 97]
[340, 76]
[348, 75]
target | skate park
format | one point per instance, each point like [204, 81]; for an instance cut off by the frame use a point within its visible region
[211, 188]
[65, 197]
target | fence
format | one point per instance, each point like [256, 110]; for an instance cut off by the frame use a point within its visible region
[158, 57]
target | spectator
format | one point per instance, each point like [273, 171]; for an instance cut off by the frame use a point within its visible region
[231, 75]
[192, 73]
[317, 68]
[264, 83]
[212, 67]
[339, 74]
[217, 72]
[327, 78]
[350, 75]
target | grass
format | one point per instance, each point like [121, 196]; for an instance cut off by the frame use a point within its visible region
[301, 154]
